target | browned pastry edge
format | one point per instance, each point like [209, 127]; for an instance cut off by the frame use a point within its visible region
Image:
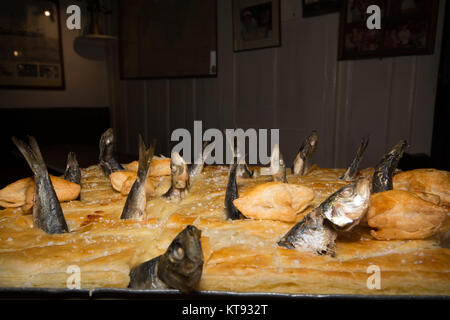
[239, 255]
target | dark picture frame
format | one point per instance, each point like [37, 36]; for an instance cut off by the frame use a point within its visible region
[256, 24]
[408, 27]
[167, 39]
[31, 45]
[312, 8]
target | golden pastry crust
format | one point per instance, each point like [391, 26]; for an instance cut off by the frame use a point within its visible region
[122, 181]
[433, 198]
[274, 201]
[239, 255]
[21, 192]
[425, 180]
[398, 214]
[15, 194]
[158, 167]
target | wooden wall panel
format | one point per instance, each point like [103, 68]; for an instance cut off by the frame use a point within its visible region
[157, 116]
[369, 108]
[297, 87]
[401, 100]
[305, 85]
[136, 101]
[181, 105]
[329, 96]
[207, 102]
[426, 85]
[254, 81]
[225, 64]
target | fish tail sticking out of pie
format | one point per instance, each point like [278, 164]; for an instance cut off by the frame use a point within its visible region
[47, 212]
[137, 199]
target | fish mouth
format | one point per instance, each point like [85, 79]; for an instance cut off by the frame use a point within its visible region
[193, 231]
[286, 244]
[184, 279]
[193, 266]
[107, 137]
[382, 176]
[177, 159]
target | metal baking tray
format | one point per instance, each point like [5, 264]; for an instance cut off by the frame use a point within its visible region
[109, 293]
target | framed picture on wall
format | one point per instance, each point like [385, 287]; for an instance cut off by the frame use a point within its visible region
[408, 27]
[30, 45]
[256, 24]
[313, 8]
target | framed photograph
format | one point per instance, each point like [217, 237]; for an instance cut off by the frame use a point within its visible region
[408, 27]
[313, 8]
[256, 24]
[30, 45]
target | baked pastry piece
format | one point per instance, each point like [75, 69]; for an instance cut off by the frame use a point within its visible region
[21, 192]
[275, 201]
[398, 214]
[15, 194]
[239, 255]
[122, 181]
[159, 167]
[430, 181]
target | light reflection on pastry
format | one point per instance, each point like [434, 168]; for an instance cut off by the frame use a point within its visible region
[275, 201]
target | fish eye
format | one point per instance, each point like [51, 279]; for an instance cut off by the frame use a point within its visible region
[178, 252]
